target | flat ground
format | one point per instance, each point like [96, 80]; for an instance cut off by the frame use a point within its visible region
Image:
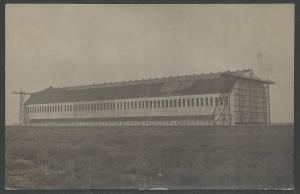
[240, 157]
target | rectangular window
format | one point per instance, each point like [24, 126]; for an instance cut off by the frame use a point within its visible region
[188, 102]
[174, 103]
[171, 103]
[163, 104]
[128, 105]
[216, 101]
[193, 103]
[202, 104]
[197, 101]
[179, 102]
[206, 101]
[226, 101]
[183, 102]
[154, 104]
[158, 104]
[66, 108]
[150, 104]
[221, 101]
[118, 105]
[71, 107]
[131, 105]
[211, 101]
[167, 103]
[143, 104]
[135, 105]
[146, 104]
[124, 105]
[140, 104]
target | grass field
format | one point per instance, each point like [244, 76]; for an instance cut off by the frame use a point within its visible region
[240, 157]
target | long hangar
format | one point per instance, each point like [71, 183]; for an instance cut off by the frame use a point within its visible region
[223, 98]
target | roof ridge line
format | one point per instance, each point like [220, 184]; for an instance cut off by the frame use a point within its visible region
[146, 80]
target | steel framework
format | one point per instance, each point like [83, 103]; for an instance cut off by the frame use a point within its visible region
[222, 112]
[251, 100]
[23, 115]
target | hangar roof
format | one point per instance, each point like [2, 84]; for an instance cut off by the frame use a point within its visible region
[170, 86]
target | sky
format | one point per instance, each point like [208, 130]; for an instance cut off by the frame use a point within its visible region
[67, 45]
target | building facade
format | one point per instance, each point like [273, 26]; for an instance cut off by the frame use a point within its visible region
[225, 98]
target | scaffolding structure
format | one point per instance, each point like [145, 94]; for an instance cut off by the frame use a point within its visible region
[251, 101]
[23, 114]
[222, 114]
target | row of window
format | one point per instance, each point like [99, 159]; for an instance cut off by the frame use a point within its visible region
[145, 104]
[126, 123]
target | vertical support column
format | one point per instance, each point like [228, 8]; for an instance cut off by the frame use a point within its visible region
[229, 109]
[269, 111]
[20, 110]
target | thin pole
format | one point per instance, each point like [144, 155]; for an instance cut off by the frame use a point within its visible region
[20, 109]
[269, 121]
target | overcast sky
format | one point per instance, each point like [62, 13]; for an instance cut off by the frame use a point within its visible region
[64, 45]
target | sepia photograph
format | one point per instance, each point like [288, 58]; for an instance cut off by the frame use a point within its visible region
[149, 96]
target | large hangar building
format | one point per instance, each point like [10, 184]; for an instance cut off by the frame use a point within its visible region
[224, 98]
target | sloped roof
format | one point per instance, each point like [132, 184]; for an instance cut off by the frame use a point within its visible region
[171, 86]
